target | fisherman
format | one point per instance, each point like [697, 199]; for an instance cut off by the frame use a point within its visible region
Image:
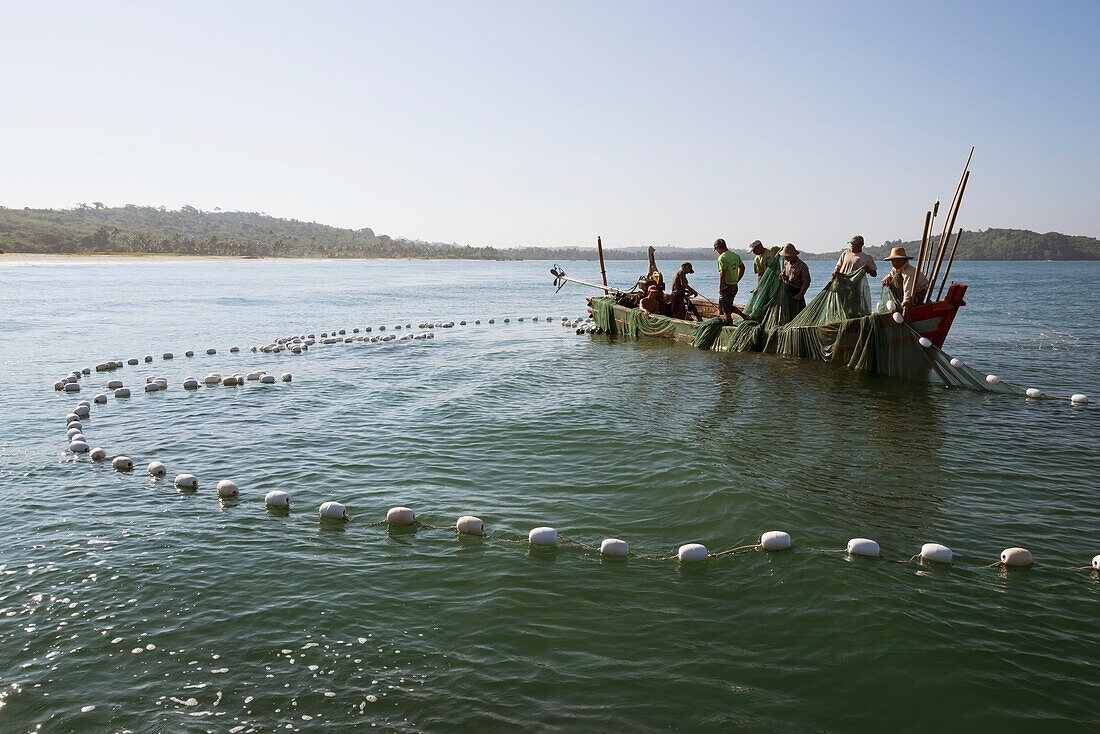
[730, 271]
[795, 275]
[653, 276]
[654, 303]
[681, 290]
[763, 257]
[900, 279]
[854, 259]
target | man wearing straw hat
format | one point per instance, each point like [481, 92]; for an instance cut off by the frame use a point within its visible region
[795, 275]
[900, 279]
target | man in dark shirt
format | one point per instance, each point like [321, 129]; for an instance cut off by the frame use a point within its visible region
[796, 276]
[681, 292]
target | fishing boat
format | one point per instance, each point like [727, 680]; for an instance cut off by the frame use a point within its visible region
[839, 325]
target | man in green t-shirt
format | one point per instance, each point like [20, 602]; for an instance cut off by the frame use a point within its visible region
[730, 270]
[763, 257]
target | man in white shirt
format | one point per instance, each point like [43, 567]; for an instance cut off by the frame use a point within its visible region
[900, 279]
[855, 259]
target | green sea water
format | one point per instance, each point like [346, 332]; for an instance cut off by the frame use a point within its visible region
[126, 605]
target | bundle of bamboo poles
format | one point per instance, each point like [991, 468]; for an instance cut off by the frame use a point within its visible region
[930, 255]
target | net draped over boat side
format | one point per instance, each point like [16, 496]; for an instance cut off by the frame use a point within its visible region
[604, 314]
[645, 324]
[707, 332]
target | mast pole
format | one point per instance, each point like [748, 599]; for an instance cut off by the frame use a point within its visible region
[603, 270]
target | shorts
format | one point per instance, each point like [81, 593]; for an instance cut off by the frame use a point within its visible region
[725, 298]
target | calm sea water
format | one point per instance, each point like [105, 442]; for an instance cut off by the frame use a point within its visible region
[126, 605]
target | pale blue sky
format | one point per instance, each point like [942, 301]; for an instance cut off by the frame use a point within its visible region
[520, 123]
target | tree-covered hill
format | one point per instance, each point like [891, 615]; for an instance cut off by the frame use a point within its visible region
[93, 229]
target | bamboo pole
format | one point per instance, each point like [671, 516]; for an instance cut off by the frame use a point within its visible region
[603, 270]
[948, 221]
[950, 228]
[950, 260]
[928, 259]
[920, 255]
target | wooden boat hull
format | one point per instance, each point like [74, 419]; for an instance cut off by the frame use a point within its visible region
[930, 320]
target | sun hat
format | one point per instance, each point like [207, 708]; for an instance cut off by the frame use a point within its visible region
[719, 243]
[755, 244]
[788, 250]
[898, 253]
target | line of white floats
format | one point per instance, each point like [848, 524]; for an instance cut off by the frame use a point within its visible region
[300, 343]
[774, 540]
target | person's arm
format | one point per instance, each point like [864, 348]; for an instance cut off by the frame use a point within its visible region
[740, 272]
[836, 270]
[805, 283]
[872, 269]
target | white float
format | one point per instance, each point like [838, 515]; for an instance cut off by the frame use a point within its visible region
[74, 430]
[122, 392]
[161, 382]
[72, 417]
[1034, 392]
[82, 410]
[1096, 562]
[993, 379]
[891, 306]
[863, 547]
[167, 355]
[148, 358]
[268, 380]
[152, 386]
[227, 488]
[925, 342]
[122, 463]
[542, 536]
[1079, 398]
[157, 469]
[186, 481]
[132, 361]
[957, 362]
[332, 511]
[72, 387]
[400, 516]
[211, 351]
[614, 548]
[189, 353]
[190, 383]
[277, 498]
[234, 350]
[212, 379]
[775, 540]
[898, 318]
[99, 399]
[286, 377]
[936, 553]
[1018, 557]
[78, 447]
[692, 553]
[96, 454]
[78, 436]
[470, 525]
[254, 375]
